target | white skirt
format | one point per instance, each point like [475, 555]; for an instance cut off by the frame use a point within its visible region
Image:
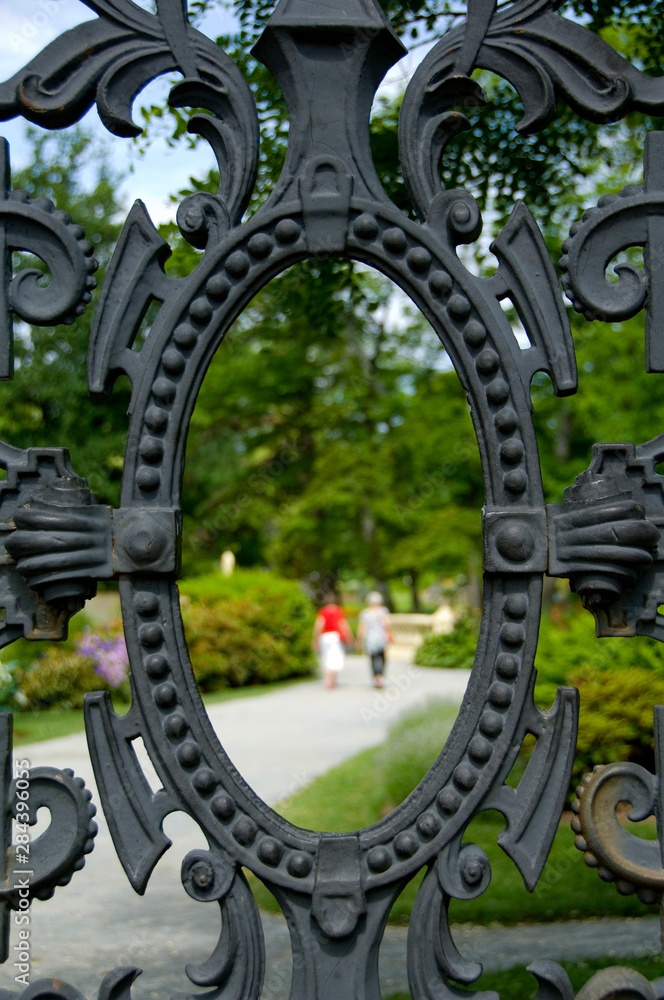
[331, 651]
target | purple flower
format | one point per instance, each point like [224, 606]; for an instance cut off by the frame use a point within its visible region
[109, 655]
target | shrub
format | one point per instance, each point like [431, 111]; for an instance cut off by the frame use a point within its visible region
[60, 677]
[616, 716]
[250, 628]
[568, 644]
[619, 681]
[457, 649]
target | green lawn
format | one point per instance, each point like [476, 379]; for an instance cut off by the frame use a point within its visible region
[352, 796]
[33, 727]
[517, 984]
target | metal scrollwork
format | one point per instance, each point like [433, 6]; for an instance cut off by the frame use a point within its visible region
[632, 218]
[35, 225]
[542, 54]
[55, 854]
[329, 58]
[462, 871]
[608, 984]
[635, 865]
[237, 965]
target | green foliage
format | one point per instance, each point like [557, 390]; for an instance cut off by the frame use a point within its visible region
[568, 646]
[48, 404]
[616, 717]
[251, 628]
[455, 650]
[59, 679]
[619, 680]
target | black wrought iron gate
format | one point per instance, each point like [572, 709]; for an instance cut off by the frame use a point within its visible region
[329, 58]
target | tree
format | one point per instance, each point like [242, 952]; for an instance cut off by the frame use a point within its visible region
[48, 403]
[315, 442]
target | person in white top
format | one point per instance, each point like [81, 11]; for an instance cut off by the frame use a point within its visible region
[374, 635]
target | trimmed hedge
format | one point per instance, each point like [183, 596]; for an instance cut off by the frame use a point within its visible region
[455, 650]
[250, 628]
[62, 675]
[619, 680]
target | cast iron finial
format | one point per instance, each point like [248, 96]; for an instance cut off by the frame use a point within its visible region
[329, 59]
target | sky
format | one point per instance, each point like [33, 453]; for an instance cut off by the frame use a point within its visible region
[29, 25]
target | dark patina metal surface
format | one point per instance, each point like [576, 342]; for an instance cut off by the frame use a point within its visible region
[329, 58]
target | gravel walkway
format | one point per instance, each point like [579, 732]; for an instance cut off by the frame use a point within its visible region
[97, 922]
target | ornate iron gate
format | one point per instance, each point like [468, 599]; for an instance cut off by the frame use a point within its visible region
[329, 57]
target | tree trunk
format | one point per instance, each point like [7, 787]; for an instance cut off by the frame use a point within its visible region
[415, 597]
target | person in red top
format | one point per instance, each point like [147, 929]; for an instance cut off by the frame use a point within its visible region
[331, 630]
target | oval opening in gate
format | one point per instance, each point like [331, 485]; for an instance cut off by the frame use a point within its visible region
[332, 464]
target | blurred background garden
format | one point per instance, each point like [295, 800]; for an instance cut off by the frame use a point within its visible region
[332, 449]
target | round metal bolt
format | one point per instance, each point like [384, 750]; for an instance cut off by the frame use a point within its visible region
[379, 859]
[448, 801]
[366, 227]
[395, 240]
[176, 726]
[405, 844]
[299, 864]
[287, 231]
[202, 875]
